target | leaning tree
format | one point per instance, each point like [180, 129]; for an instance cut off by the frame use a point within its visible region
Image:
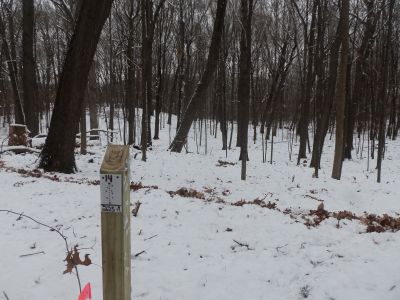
[58, 151]
[197, 99]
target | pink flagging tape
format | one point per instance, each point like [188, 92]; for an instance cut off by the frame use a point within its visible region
[86, 293]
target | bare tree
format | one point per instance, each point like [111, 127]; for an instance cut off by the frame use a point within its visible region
[28, 74]
[246, 9]
[58, 151]
[383, 93]
[149, 20]
[340, 93]
[12, 71]
[196, 100]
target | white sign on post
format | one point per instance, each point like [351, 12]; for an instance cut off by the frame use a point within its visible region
[111, 193]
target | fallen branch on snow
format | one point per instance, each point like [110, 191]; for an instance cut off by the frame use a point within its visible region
[139, 253]
[136, 209]
[19, 149]
[243, 245]
[30, 254]
[151, 237]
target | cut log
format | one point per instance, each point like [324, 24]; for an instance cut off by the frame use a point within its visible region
[18, 135]
[19, 150]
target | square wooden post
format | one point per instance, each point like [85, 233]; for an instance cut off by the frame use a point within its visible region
[115, 223]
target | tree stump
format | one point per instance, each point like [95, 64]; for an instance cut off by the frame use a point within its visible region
[17, 135]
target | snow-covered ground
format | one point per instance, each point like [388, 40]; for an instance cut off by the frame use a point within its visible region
[207, 248]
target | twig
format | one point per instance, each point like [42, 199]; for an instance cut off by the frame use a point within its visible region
[30, 254]
[141, 252]
[89, 248]
[314, 198]
[79, 279]
[136, 209]
[151, 237]
[20, 216]
[5, 295]
[279, 247]
[243, 245]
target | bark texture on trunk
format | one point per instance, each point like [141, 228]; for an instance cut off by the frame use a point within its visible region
[28, 74]
[383, 89]
[58, 151]
[244, 80]
[340, 94]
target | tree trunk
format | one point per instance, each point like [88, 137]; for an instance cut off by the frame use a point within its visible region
[244, 80]
[221, 96]
[160, 67]
[199, 94]
[130, 81]
[310, 77]
[92, 103]
[323, 125]
[112, 89]
[319, 95]
[383, 93]
[340, 93]
[359, 86]
[58, 151]
[28, 74]
[149, 19]
[12, 72]
[83, 130]
[181, 64]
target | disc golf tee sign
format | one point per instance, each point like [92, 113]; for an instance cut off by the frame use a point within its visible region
[113, 178]
[111, 193]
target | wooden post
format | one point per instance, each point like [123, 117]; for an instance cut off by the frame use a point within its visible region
[115, 223]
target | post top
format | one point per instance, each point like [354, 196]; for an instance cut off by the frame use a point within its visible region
[115, 159]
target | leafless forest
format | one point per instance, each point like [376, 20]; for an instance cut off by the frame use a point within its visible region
[320, 69]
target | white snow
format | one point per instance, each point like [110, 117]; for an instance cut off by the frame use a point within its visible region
[189, 243]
